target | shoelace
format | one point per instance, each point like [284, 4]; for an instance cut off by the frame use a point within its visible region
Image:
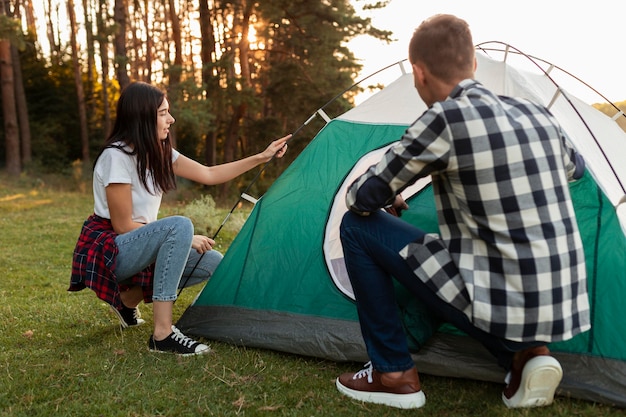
[366, 371]
[131, 313]
[182, 339]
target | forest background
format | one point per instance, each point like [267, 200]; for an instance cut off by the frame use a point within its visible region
[238, 74]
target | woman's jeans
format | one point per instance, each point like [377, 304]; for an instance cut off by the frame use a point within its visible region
[371, 246]
[167, 244]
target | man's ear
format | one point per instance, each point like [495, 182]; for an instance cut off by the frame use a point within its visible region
[418, 73]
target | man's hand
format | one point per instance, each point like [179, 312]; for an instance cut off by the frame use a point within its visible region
[397, 206]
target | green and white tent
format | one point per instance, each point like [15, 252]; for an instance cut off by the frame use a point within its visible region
[282, 283]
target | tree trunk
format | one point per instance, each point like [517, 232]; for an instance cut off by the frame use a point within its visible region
[244, 44]
[103, 41]
[209, 80]
[174, 73]
[149, 42]
[30, 19]
[78, 80]
[176, 69]
[20, 95]
[11, 136]
[91, 58]
[22, 108]
[119, 15]
[134, 22]
[55, 49]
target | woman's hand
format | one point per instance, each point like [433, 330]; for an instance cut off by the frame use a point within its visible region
[202, 243]
[277, 147]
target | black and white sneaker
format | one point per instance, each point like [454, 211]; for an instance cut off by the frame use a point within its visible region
[129, 317]
[178, 343]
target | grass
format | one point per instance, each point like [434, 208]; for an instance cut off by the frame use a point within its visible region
[63, 353]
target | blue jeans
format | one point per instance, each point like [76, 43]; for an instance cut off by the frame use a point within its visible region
[167, 244]
[371, 247]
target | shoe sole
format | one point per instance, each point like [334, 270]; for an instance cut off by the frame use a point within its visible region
[123, 323]
[405, 401]
[540, 379]
[202, 352]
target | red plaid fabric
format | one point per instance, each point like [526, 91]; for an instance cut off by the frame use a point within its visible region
[94, 261]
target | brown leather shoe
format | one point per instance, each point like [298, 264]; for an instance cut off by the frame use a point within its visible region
[533, 379]
[369, 385]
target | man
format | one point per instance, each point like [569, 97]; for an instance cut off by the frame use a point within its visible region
[508, 268]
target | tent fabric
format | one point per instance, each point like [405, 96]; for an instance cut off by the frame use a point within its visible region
[282, 286]
[592, 133]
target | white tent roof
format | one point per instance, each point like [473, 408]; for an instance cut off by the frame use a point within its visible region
[595, 135]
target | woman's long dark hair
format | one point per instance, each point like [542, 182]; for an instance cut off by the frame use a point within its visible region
[135, 125]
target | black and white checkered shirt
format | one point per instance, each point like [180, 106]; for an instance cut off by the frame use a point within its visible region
[509, 255]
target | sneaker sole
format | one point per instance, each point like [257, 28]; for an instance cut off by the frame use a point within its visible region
[123, 323]
[405, 401]
[540, 379]
[202, 352]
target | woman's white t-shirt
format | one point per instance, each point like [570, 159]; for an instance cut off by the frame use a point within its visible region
[114, 166]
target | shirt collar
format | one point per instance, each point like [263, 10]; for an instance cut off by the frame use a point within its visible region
[461, 88]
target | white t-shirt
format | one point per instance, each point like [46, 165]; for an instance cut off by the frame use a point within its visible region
[116, 167]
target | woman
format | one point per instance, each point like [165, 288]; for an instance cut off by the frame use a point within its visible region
[123, 252]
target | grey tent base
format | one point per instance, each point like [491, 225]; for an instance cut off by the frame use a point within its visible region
[585, 377]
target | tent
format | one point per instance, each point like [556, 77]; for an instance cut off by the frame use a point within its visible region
[282, 283]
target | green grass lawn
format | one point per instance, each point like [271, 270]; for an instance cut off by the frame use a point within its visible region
[63, 353]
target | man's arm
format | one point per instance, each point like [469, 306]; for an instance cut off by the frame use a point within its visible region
[423, 149]
[368, 193]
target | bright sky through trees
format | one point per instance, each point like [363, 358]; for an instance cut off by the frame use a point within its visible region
[584, 38]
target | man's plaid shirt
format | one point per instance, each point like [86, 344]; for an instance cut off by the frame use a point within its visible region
[510, 255]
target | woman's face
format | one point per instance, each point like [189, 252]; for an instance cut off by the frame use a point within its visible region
[164, 120]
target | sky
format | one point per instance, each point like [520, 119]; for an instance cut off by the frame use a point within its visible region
[585, 38]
